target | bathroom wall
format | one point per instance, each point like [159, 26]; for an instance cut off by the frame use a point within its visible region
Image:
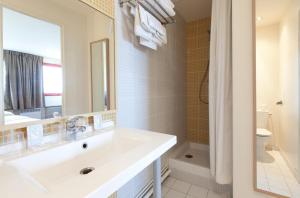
[289, 87]
[150, 86]
[197, 40]
[267, 75]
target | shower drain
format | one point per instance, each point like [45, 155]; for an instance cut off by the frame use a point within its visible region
[189, 156]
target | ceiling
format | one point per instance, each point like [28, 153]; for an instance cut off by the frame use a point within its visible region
[192, 10]
[271, 11]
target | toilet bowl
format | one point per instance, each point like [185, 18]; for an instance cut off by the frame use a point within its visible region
[263, 136]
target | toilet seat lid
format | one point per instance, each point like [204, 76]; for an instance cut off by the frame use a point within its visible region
[263, 132]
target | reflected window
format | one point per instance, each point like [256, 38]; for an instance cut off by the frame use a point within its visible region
[53, 84]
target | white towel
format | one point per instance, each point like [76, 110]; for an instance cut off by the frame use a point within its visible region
[146, 38]
[151, 25]
[163, 38]
[169, 3]
[132, 10]
[147, 43]
[167, 7]
[157, 30]
[151, 32]
[155, 25]
[163, 4]
[139, 29]
[144, 18]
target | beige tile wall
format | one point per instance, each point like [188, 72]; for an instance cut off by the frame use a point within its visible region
[51, 126]
[104, 6]
[197, 39]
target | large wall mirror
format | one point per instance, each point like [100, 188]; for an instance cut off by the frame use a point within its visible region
[277, 134]
[58, 60]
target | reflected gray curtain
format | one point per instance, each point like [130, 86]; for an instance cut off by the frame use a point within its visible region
[23, 81]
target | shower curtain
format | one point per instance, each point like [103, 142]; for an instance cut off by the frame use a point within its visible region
[220, 93]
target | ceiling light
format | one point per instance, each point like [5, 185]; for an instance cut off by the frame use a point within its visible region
[259, 18]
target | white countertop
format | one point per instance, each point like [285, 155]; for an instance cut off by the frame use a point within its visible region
[117, 156]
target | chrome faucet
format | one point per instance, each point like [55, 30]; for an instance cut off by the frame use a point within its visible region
[75, 125]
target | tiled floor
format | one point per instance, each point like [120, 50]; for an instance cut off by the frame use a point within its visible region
[276, 177]
[174, 188]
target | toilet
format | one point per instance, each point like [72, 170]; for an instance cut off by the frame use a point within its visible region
[263, 135]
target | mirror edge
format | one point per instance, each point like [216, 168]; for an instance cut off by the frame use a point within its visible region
[1, 68]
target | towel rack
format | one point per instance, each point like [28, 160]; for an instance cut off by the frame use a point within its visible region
[157, 13]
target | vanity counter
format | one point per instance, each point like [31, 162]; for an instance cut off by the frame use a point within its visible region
[114, 157]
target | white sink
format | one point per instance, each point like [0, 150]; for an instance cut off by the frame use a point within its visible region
[116, 157]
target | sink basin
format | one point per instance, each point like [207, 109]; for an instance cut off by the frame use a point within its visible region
[55, 166]
[108, 160]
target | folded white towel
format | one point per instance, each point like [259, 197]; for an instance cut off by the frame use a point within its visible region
[147, 43]
[157, 30]
[169, 3]
[138, 28]
[146, 38]
[156, 7]
[164, 5]
[132, 10]
[155, 25]
[162, 38]
[144, 18]
[167, 7]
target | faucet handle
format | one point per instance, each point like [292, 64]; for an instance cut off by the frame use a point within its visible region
[76, 124]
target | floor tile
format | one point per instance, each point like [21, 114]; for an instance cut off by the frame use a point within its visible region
[280, 191]
[169, 182]
[189, 196]
[198, 192]
[212, 194]
[181, 186]
[276, 177]
[294, 188]
[164, 190]
[175, 194]
[263, 186]
[295, 195]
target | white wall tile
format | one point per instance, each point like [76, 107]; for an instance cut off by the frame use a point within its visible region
[150, 84]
